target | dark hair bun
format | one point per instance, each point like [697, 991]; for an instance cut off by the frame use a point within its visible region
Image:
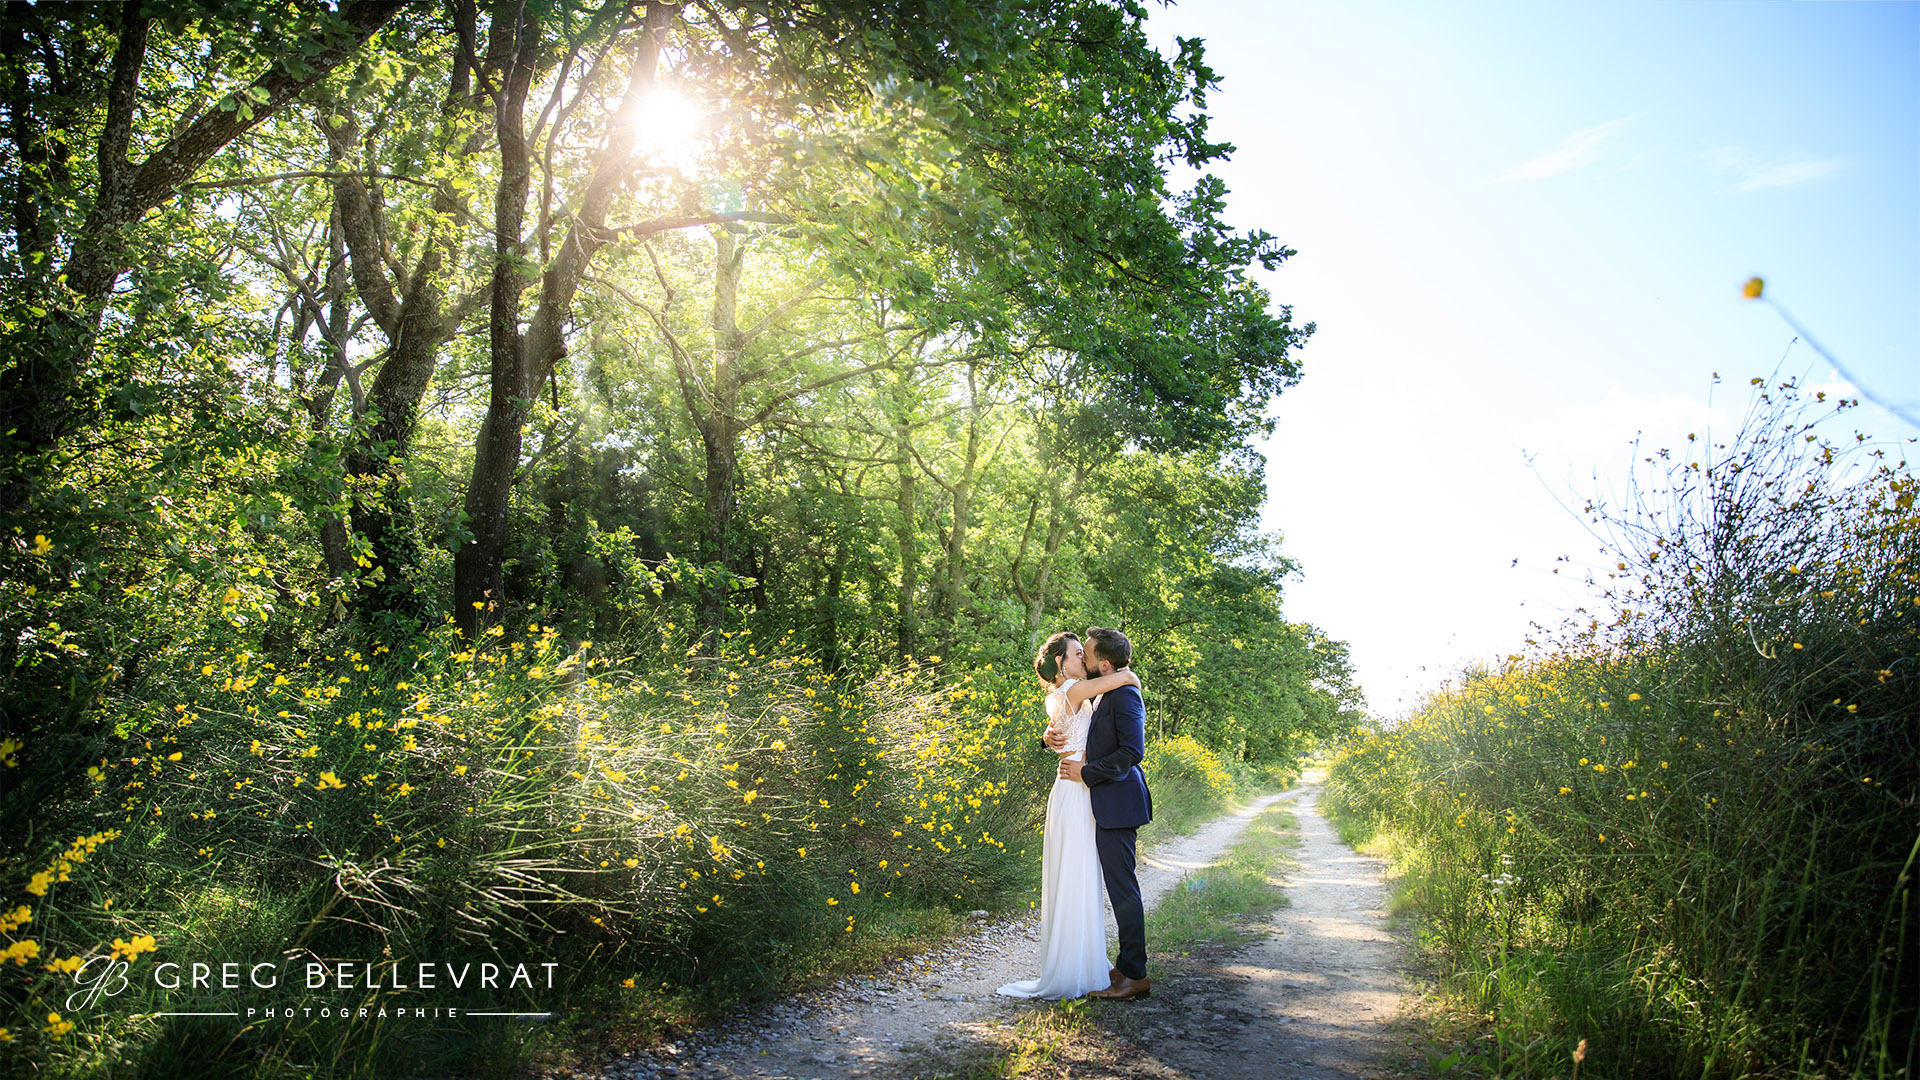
[1046, 663]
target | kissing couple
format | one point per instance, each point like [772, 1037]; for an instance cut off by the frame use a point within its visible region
[1098, 726]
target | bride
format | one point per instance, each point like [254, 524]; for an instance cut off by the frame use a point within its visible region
[1073, 926]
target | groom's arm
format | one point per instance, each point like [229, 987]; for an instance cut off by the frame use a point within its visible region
[1130, 729]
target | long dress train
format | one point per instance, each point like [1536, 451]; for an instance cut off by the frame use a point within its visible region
[1073, 926]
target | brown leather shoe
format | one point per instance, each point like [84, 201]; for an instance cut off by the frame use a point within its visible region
[1125, 990]
[1113, 977]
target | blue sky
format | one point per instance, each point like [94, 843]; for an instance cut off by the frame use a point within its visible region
[1522, 231]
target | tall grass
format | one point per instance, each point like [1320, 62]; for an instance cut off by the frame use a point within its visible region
[1687, 837]
[674, 834]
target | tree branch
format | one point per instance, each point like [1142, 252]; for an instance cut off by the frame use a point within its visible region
[609, 234]
[174, 163]
[305, 174]
[122, 90]
[781, 310]
[787, 360]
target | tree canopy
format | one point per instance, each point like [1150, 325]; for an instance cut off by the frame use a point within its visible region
[878, 321]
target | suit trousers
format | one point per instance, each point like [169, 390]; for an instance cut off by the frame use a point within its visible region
[1116, 848]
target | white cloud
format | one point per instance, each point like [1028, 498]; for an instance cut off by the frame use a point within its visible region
[1576, 151]
[1594, 431]
[1757, 172]
[1790, 173]
[1633, 162]
[1835, 386]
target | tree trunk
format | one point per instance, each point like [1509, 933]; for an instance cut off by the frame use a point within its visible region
[414, 316]
[477, 587]
[384, 515]
[521, 363]
[720, 437]
[715, 551]
[1060, 521]
[40, 396]
[415, 332]
[830, 604]
[334, 547]
[961, 493]
[43, 396]
[906, 503]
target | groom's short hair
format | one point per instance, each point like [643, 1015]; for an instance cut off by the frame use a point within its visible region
[1110, 645]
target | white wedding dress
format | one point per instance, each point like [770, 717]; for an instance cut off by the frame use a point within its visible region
[1073, 925]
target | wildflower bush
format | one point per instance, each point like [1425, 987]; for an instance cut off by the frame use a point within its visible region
[673, 832]
[1190, 783]
[1687, 837]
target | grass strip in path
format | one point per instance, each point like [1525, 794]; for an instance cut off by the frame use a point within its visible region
[1223, 905]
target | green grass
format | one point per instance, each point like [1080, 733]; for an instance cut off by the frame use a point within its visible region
[1035, 1042]
[1220, 905]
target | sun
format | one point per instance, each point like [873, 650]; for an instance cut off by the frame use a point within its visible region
[668, 127]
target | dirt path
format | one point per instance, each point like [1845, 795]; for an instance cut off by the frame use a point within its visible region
[1310, 999]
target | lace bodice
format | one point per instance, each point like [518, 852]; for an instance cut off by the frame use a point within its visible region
[1076, 724]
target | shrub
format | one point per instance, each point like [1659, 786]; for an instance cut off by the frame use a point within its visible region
[1190, 783]
[1689, 836]
[676, 833]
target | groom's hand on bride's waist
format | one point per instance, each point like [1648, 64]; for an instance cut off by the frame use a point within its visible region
[1070, 769]
[1055, 738]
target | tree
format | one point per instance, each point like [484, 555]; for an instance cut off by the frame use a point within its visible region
[58, 89]
[1187, 341]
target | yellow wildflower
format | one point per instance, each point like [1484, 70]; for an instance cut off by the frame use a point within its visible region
[127, 950]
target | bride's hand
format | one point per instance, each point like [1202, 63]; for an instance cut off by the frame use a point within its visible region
[1131, 678]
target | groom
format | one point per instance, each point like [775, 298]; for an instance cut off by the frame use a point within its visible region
[1116, 742]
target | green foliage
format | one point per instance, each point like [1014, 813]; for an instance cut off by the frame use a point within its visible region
[1687, 837]
[1191, 785]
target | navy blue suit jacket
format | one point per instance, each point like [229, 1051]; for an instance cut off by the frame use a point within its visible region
[1116, 742]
